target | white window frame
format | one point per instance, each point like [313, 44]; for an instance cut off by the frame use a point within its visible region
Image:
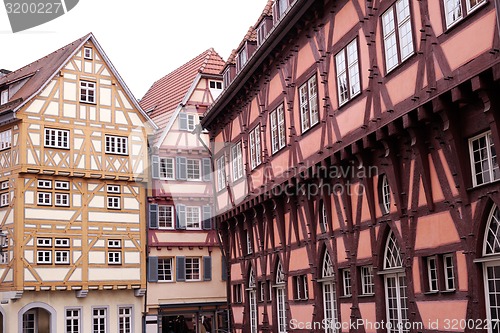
[309, 105]
[88, 92]
[4, 199]
[45, 184]
[114, 257]
[61, 257]
[237, 161]
[301, 287]
[255, 147]
[46, 257]
[392, 27]
[44, 242]
[61, 199]
[44, 199]
[249, 242]
[113, 202]
[87, 53]
[262, 291]
[4, 96]
[6, 139]
[74, 315]
[4, 185]
[252, 297]
[261, 33]
[167, 168]
[193, 264]
[385, 192]
[193, 223]
[464, 6]
[162, 217]
[346, 282]
[125, 318]
[242, 58]
[117, 145]
[191, 121]
[164, 271]
[278, 131]
[217, 85]
[61, 185]
[432, 273]
[102, 317]
[195, 165]
[221, 173]
[489, 159]
[348, 75]
[56, 138]
[61, 242]
[4, 257]
[115, 243]
[367, 285]
[449, 272]
[113, 189]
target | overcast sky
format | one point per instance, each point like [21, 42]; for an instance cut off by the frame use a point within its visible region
[144, 39]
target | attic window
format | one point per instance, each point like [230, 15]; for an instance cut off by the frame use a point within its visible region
[227, 78]
[87, 53]
[215, 85]
[4, 97]
[261, 33]
[242, 58]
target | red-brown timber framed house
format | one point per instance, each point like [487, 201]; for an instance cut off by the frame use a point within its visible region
[356, 169]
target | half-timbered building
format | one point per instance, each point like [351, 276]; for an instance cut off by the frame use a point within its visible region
[73, 158]
[186, 289]
[356, 170]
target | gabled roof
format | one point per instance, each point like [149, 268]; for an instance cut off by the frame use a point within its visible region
[41, 71]
[168, 93]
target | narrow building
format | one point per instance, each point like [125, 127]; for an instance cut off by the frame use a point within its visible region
[355, 162]
[186, 277]
[73, 158]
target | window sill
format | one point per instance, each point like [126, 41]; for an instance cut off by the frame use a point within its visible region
[365, 295]
[345, 296]
[5, 148]
[51, 147]
[451, 291]
[117, 154]
[429, 293]
[87, 102]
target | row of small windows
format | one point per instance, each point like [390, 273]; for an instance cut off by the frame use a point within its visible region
[59, 138]
[161, 269]
[100, 318]
[181, 168]
[180, 217]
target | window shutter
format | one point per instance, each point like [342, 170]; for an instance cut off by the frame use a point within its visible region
[153, 269]
[224, 268]
[181, 216]
[153, 216]
[207, 268]
[207, 169]
[181, 168]
[155, 167]
[183, 121]
[207, 217]
[181, 268]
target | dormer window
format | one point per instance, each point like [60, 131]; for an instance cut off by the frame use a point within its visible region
[261, 33]
[215, 88]
[282, 7]
[242, 58]
[4, 97]
[226, 77]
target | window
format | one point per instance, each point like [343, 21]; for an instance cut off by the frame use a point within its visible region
[48, 248]
[4, 97]
[44, 257]
[193, 218]
[113, 189]
[491, 267]
[269, 290]
[262, 291]
[192, 269]
[4, 199]
[44, 199]
[190, 122]
[255, 148]
[432, 274]
[261, 33]
[282, 7]
[165, 217]
[99, 320]
[56, 138]
[72, 320]
[300, 287]
[309, 113]
[114, 202]
[4, 185]
[30, 322]
[4, 258]
[346, 282]
[61, 257]
[249, 242]
[221, 173]
[242, 58]
[87, 53]
[455, 9]
[116, 145]
[60, 185]
[280, 298]
[449, 274]
[124, 319]
[61, 242]
[277, 119]
[323, 218]
[252, 300]
[166, 168]
[227, 77]
[193, 169]
[62, 199]
[165, 269]
[237, 297]
[398, 35]
[483, 159]
[367, 286]
[44, 184]
[215, 85]
[87, 92]
[44, 242]
[187, 121]
[114, 252]
[347, 65]
[385, 194]
[5, 139]
[237, 161]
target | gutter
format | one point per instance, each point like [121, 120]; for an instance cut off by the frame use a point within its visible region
[275, 37]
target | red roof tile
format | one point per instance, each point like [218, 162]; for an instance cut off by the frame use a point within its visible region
[168, 92]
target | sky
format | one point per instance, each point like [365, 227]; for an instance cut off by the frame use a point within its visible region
[145, 40]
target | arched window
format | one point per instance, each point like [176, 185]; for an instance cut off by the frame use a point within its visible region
[329, 294]
[384, 191]
[280, 298]
[396, 299]
[491, 267]
[252, 300]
